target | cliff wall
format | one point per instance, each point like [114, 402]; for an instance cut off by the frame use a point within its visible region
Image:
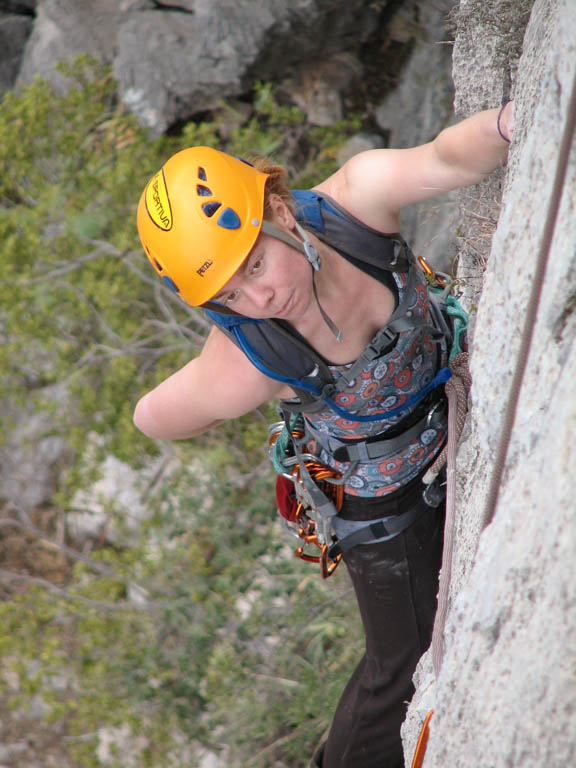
[505, 693]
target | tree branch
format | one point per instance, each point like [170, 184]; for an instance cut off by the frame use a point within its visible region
[48, 585]
[25, 524]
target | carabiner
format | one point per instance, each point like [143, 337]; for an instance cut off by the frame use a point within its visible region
[326, 568]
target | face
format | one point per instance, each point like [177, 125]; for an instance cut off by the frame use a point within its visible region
[274, 281]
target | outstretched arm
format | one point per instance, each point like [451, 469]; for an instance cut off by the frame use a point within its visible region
[219, 384]
[376, 185]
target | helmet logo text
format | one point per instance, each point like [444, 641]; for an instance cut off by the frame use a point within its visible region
[158, 202]
[204, 267]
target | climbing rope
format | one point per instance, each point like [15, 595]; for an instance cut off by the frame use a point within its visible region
[457, 389]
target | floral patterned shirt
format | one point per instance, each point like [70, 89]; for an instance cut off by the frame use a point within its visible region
[384, 384]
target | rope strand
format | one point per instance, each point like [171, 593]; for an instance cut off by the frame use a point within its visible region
[531, 310]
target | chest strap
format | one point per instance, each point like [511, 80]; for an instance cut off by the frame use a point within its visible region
[401, 434]
[401, 320]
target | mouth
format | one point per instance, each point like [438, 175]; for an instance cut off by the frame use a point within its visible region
[286, 308]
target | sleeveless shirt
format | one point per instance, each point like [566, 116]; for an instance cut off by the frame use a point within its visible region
[384, 384]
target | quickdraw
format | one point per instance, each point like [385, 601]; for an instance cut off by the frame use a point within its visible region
[432, 277]
[441, 285]
[307, 526]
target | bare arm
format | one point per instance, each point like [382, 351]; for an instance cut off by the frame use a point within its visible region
[376, 185]
[220, 384]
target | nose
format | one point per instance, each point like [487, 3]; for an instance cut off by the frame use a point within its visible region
[260, 296]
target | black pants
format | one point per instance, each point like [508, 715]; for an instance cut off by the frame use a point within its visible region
[396, 583]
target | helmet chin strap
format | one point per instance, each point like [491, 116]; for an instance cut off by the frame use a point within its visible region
[310, 251]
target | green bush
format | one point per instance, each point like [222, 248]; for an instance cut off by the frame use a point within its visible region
[235, 645]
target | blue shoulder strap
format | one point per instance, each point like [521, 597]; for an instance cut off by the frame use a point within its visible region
[308, 208]
[227, 321]
[374, 252]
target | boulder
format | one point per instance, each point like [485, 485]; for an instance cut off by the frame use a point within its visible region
[14, 32]
[64, 29]
[176, 60]
[32, 457]
[176, 63]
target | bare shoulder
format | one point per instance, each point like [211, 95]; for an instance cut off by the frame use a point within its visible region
[377, 184]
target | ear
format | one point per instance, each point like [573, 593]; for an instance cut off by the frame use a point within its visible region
[283, 216]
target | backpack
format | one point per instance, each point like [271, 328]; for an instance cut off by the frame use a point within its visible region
[281, 353]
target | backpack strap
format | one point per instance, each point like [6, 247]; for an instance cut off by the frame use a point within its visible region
[359, 243]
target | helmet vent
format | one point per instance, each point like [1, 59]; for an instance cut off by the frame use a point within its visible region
[211, 208]
[158, 266]
[229, 219]
[202, 174]
[203, 191]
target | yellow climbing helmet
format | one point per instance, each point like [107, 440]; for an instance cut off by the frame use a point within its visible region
[198, 219]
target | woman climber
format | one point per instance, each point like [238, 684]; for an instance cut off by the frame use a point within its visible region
[328, 281]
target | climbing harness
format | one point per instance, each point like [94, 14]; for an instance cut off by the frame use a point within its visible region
[318, 491]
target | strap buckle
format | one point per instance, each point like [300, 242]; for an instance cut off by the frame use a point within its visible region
[376, 347]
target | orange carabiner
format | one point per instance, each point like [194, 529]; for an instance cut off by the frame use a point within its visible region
[431, 277]
[328, 568]
[309, 537]
[327, 564]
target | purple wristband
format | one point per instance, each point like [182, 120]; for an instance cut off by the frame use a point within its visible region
[498, 124]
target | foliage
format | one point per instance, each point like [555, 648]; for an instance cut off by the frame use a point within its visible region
[204, 630]
[232, 644]
[81, 307]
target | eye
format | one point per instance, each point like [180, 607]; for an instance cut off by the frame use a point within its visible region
[256, 265]
[231, 298]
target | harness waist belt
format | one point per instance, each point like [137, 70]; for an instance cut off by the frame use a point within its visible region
[380, 530]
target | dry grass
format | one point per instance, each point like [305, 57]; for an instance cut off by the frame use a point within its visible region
[479, 213]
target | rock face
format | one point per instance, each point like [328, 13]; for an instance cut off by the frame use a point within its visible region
[505, 693]
[415, 111]
[174, 60]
